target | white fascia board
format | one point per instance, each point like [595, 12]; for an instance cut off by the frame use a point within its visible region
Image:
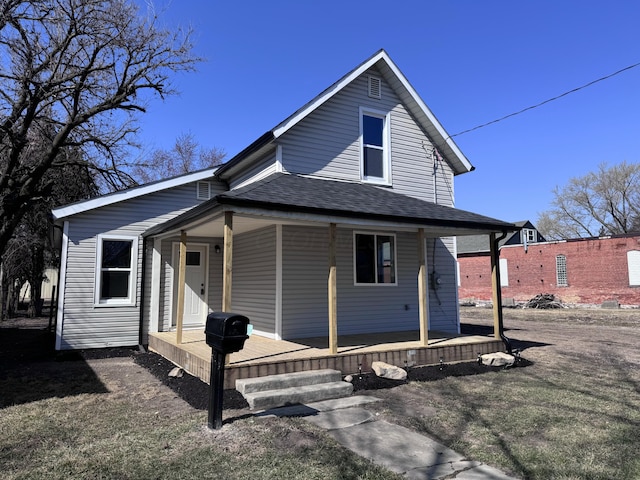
[340, 84]
[111, 198]
[428, 114]
[327, 94]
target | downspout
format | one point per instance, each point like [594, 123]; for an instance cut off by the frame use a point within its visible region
[142, 285]
[497, 301]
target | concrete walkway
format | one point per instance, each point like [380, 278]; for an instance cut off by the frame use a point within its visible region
[397, 448]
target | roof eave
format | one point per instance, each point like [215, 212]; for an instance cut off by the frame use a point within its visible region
[257, 148]
[109, 199]
[468, 225]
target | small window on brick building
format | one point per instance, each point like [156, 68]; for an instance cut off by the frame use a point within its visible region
[561, 271]
[633, 265]
[504, 273]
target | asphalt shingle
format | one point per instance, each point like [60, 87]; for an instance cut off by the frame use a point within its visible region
[296, 193]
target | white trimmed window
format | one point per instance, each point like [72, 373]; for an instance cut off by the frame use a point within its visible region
[374, 259]
[561, 271]
[633, 265]
[528, 235]
[117, 257]
[375, 160]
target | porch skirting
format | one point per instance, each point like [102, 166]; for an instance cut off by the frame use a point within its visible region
[262, 356]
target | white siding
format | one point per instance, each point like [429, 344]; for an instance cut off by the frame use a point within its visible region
[326, 144]
[85, 325]
[254, 278]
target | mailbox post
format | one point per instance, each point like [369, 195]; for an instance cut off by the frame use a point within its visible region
[225, 333]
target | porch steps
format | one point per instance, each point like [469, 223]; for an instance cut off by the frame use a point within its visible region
[293, 388]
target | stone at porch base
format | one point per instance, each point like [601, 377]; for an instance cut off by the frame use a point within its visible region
[385, 370]
[498, 359]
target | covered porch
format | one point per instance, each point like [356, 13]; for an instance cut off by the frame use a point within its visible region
[264, 356]
[288, 250]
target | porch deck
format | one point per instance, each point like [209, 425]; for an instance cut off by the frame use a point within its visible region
[262, 356]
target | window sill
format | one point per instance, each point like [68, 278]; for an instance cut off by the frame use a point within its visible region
[114, 304]
[378, 182]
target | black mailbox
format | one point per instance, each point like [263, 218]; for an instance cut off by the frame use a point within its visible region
[226, 332]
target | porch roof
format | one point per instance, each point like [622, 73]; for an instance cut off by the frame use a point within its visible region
[281, 192]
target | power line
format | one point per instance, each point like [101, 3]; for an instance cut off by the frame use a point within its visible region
[546, 101]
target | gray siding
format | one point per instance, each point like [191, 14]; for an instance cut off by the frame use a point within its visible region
[362, 308]
[254, 277]
[304, 282]
[327, 144]
[262, 169]
[88, 326]
[443, 302]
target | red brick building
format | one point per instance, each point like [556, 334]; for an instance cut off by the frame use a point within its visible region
[577, 271]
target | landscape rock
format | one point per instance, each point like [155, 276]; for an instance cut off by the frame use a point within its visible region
[176, 372]
[385, 370]
[498, 359]
[348, 378]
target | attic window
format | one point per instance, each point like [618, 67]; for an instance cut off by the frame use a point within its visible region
[375, 87]
[528, 235]
[203, 190]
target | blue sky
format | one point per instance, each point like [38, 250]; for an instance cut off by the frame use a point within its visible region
[470, 61]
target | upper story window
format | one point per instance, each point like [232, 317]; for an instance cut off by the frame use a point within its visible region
[528, 235]
[374, 259]
[116, 270]
[375, 160]
[561, 271]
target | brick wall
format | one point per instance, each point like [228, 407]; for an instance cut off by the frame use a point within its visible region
[596, 271]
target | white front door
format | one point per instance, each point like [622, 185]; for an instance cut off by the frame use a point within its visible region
[195, 291]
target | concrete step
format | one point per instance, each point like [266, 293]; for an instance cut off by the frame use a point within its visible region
[297, 394]
[287, 380]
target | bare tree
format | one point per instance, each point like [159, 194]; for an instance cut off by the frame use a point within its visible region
[605, 202]
[30, 250]
[76, 73]
[186, 156]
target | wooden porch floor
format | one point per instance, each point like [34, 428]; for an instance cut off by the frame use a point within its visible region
[263, 356]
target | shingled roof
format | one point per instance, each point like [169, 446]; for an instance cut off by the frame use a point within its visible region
[294, 193]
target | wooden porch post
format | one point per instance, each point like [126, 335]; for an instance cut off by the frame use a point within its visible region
[182, 271]
[332, 291]
[495, 286]
[422, 291]
[227, 269]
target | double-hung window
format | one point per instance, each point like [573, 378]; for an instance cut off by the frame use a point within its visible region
[375, 160]
[374, 259]
[116, 270]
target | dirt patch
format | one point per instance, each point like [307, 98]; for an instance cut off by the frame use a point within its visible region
[540, 335]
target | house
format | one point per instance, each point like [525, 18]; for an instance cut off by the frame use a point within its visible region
[587, 271]
[339, 220]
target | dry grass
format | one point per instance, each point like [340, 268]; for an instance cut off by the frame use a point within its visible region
[573, 414]
[90, 436]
